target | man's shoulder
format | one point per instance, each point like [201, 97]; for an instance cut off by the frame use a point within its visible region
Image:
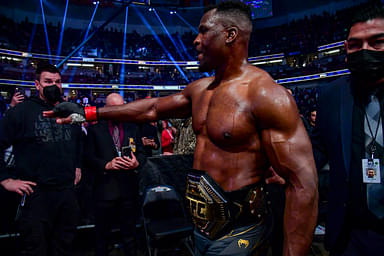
[200, 83]
[262, 85]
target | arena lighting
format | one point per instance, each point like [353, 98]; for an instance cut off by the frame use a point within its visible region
[122, 70]
[332, 51]
[265, 57]
[160, 43]
[80, 65]
[89, 25]
[169, 35]
[267, 62]
[259, 63]
[114, 61]
[187, 23]
[62, 30]
[151, 9]
[297, 79]
[85, 38]
[329, 74]
[29, 47]
[276, 61]
[45, 30]
[191, 67]
[329, 46]
[183, 46]
[94, 32]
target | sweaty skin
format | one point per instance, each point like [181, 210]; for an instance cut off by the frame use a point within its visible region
[244, 124]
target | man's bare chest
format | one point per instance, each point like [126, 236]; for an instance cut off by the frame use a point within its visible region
[224, 116]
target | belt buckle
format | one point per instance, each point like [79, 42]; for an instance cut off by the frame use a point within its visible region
[207, 206]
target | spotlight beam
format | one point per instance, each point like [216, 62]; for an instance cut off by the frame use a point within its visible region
[188, 24]
[62, 29]
[85, 37]
[168, 34]
[30, 46]
[90, 24]
[94, 33]
[160, 43]
[184, 48]
[122, 70]
[46, 31]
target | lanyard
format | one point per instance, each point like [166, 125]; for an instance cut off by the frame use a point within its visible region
[372, 146]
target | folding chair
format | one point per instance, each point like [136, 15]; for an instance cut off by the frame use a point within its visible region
[165, 223]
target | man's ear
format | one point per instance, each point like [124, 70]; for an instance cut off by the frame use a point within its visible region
[37, 85]
[232, 33]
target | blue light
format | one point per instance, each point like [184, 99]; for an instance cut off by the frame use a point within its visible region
[62, 29]
[160, 43]
[122, 70]
[169, 35]
[45, 30]
[186, 22]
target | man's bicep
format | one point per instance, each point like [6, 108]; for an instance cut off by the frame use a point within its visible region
[288, 148]
[177, 105]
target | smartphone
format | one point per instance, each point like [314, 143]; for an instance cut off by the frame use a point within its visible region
[21, 90]
[126, 151]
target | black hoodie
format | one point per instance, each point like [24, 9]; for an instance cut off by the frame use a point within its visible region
[45, 152]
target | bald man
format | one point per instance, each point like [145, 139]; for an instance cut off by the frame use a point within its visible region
[113, 151]
[244, 124]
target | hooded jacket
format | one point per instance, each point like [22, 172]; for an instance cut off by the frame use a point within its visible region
[45, 152]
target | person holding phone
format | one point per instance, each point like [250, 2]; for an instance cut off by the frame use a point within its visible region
[17, 98]
[114, 152]
[149, 137]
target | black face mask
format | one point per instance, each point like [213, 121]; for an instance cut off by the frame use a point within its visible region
[52, 93]
[366, 66]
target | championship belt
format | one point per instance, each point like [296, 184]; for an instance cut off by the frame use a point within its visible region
[213, 212]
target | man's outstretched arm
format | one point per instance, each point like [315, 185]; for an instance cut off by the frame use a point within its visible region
[176, 105]
[289, 151]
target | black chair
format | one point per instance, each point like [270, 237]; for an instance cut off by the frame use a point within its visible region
[166, 224]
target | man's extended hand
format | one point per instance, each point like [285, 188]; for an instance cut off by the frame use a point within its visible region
[67, 113]
[18, 186]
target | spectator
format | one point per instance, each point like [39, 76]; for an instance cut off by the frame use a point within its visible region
[167, 137]
[116, 178]
[47, 168]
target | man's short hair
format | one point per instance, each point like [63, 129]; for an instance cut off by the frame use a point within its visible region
[237, 12]
[45, 67]
[368, 12]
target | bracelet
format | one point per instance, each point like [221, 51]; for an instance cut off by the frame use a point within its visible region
[91, 113]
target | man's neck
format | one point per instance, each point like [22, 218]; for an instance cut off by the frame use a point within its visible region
[233, 68]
